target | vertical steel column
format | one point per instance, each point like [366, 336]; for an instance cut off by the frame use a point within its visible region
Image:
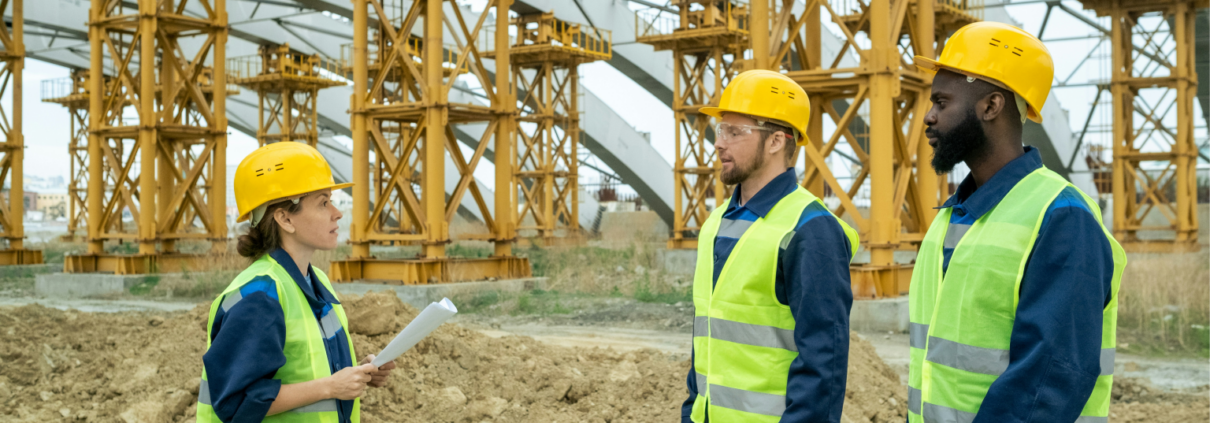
[436, 116]
[361, 141]
[16, 139]
[218, 167]
[814, 61]
[927, 181]
[96, 181]
[147, 127]
[505, 149]
[884, 81]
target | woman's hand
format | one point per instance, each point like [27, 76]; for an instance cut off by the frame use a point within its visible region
[349, 382]
[378, 377]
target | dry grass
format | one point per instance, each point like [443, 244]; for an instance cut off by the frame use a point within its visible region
[1164, 305]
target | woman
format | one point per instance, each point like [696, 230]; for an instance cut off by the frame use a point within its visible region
[278, 346]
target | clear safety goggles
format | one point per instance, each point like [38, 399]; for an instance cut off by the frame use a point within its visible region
[727, 132]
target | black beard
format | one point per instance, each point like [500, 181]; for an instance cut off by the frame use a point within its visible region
[964, 142]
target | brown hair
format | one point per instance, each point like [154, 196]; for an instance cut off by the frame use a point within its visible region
[771, 127]
[265, 236]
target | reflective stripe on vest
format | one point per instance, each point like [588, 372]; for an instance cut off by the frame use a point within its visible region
[961, 319]
[306, 354]
[203, 397]
[743, 338]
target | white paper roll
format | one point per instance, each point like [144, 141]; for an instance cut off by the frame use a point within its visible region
[424, 324]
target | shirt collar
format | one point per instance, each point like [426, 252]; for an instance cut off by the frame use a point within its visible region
[769, 195]
[284, 260]
[977, 201]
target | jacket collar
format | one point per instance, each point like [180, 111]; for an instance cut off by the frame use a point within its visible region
[768, 196]
[977, 201]
[284, 260]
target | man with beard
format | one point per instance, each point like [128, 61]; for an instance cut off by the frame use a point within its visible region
[1014, 295]
[771, 290]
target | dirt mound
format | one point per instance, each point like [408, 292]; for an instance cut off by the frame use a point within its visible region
[1136, 401]
[141, 367]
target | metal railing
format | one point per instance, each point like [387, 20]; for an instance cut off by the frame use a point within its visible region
[59, 88]
[284, 63]
[654, 22]
[856, 7]
[594, 41]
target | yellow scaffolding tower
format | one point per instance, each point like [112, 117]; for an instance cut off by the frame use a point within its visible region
[287, 87]
[890, 152]
[401, 90]
[708, 39]
[545, 55]
[170, 175]
[12, 151]
[1141, 64]
[72, 92]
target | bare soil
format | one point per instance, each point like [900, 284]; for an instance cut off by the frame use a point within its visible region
[67, 365]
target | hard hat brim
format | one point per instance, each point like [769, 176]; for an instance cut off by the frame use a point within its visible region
[930, 67]
[244, 217]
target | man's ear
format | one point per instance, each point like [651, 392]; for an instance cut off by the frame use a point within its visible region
[992, 106]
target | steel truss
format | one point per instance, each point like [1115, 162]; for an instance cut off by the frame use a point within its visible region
[287, 88]
[892, 155]
[1147, 65]
[403, 124]
[708, 39]
[545, 57]
[12, 151]
[72, 93]
[168, 167]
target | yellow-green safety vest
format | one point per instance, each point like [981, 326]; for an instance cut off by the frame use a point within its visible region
[961, 320]
[306, 357]
[743, 338]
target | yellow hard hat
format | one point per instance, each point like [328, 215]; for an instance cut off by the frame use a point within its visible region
[1002, 54]
[278, 171]
[766, 94]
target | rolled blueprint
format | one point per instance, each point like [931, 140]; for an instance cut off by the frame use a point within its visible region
[424, 324]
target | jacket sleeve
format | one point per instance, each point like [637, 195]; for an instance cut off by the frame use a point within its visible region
[1054, 355]
[814, 271]
[244, 354]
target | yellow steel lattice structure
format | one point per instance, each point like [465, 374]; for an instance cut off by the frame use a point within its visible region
[878, 110]
[403, 122]
[545, 55]
[169, 175]
[708, 39]
[1152, 76]
[12, 151]
[287, 88]
[72, 92]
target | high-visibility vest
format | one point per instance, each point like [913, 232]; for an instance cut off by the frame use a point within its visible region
[306, 357]
[962, 318]
[743, 338]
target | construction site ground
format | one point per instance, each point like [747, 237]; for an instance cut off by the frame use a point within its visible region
[560, 358]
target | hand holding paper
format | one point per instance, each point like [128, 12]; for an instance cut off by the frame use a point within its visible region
[424, 324]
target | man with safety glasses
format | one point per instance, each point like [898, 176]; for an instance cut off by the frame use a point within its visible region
[771, 289]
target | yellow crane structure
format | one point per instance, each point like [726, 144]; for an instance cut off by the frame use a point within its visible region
[1141, 63]
[72, 92]
[169, 175]
[403, 121]
[12, 151]
[708, 39]
[287, 88]
[892, 156]
[545, 56]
